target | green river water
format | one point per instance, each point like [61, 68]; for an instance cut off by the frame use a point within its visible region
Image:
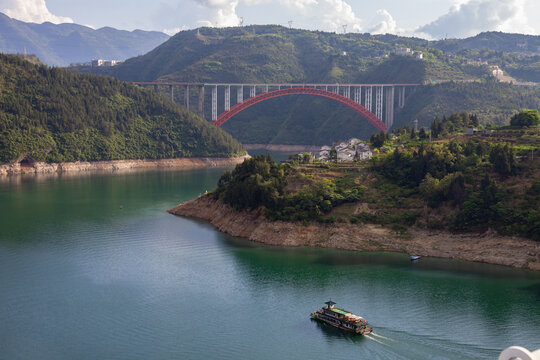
[83, 278]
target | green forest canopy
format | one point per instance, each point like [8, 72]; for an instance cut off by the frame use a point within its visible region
[54, 115]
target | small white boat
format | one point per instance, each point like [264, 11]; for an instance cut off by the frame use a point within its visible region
[415, 257]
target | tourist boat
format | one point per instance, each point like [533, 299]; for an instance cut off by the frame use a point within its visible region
[342, 319]
[415, 257]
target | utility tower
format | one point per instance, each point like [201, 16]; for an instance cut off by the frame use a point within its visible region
[290, 24]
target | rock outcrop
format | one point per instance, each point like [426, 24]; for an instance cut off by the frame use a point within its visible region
[488, 247]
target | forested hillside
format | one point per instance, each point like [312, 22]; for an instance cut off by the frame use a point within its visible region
[54, 115]
[277, 54]
[492, 101]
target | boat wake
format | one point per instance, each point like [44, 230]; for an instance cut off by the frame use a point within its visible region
[381, 337]
[371, 337]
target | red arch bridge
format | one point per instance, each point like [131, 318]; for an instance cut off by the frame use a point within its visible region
[375, 102]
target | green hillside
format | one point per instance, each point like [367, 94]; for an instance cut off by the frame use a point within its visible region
[516, 54]
[278, 54]
[492, 40]
[52, 114]
[492, 101]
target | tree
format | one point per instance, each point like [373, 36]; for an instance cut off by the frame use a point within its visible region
[307, 158]
[422, 134]
[413, 134]
[474, 120]
[526, 118]
[333, 154]
[435, 127]
[377, 140]
[503, 159]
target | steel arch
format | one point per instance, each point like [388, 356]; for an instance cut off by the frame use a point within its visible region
[368, 115]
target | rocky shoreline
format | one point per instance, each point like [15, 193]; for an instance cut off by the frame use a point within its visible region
[117, 165]
[488, 247]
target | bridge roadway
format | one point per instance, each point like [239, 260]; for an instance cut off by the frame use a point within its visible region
[362, 96]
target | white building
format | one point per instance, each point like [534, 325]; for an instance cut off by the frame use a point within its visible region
[403, 51]
[101, 62]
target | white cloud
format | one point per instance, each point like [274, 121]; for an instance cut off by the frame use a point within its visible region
[328, 15]
[335, 14]
[31, 11]
[468, 18]
[384, 23]
[174, 30]
[224, 12]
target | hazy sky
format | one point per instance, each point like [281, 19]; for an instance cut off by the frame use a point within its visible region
[427, 18]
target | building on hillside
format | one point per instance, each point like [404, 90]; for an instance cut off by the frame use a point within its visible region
[101, 62]
[419, 55]
[324, 153]
[496, 70]
[350, 150]
[403, 51]
[363, 152]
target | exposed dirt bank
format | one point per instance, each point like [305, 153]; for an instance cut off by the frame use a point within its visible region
[488, 247]
[117, 165]
[272, 147]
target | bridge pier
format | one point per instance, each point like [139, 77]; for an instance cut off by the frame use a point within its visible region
[389, 118]
[172, 92]
[227, 97]
[358, 94]
[347, 92]
[379, 102]
[401, 97]
[252, 91]
[368, 97]
[214, 103]
[201, 101]
[240, 94]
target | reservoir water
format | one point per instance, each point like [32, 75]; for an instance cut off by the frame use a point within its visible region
[93, 267]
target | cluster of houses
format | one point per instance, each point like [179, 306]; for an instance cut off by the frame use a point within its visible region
[403, 51]
[350, 150]
[101, 62]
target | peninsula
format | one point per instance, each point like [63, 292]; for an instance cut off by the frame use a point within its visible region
[468, 197]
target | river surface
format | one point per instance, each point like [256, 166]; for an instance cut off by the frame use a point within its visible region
[92, 267]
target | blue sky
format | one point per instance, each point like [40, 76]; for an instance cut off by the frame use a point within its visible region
[426, 18]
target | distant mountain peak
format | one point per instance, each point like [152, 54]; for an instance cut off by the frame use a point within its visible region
[67, 43]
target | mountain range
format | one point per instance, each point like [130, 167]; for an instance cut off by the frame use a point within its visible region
[64, 44]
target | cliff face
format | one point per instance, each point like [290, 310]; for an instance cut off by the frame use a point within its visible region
[488, 247]
[117, 165]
